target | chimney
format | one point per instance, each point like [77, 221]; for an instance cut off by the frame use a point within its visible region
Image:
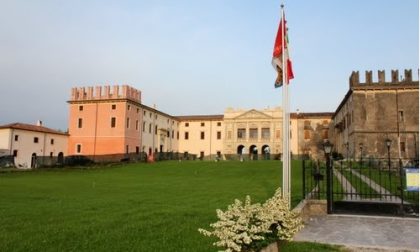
[39, 123]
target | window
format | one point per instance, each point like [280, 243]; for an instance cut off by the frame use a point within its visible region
[307, 134]
[137, 124]
[219, 135]
[144, 126]
[78, 148]
[128, 107]
[150, 114]
[307, 123]
[168, 133]
[219, 124]
[51, 154]
[201, 155]
[202, 124]
[137, 149]
[325, 134]
[113, 106]
[241, 133]
[113, 122]
[177, 135]
[186, 135]
[265, 133]
[156, 129]
[16, 138]
[187, 124]
[401, 116]
[80, 123]
[202, 135]
[52, 141]
[35, 139]
[173, 134]
[15, 152]
[128, 123]
[253, 133]
[144, 113]
[138, 110]
[80, 108]
[155, 117]
[150, 128]
[402, 146]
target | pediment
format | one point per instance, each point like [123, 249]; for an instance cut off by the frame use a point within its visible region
[253, 114]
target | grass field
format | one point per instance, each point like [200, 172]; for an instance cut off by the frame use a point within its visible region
[133, 207]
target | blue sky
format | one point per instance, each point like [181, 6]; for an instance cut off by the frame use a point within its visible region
[195, 57]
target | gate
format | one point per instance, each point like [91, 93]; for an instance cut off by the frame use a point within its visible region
[373, 186]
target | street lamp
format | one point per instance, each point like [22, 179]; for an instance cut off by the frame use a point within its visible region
[327, 149]
[388, 145]
[347, 149]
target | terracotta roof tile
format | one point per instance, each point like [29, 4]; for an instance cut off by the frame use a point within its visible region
[30, 127]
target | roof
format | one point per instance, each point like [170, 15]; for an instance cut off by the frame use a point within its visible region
[312, 115]
[199, 117]
[30, 127]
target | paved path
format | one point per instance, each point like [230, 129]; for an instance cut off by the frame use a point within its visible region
[388, 197]
[363, 233]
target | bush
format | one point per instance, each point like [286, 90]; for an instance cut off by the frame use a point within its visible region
[250, 227]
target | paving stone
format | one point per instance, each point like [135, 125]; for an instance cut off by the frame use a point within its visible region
[363, 233]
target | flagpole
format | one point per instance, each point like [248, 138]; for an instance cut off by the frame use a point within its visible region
[285, 102]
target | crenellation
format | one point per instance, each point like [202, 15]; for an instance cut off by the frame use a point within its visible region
[115, 92]
[368, 79]
[381, 76]
[408, 75]
[89, 93]
[98, 92]
[395, 78]
[105, 92]
[354, 78]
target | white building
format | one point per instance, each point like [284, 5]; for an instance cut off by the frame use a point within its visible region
[33, 145]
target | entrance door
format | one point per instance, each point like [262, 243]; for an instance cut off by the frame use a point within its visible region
[33, 160]
[60, 158]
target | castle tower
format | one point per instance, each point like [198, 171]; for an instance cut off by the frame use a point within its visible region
[104, 121]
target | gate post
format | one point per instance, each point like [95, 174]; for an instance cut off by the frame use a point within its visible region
[329, 187]
[327, 150]
[303, 179]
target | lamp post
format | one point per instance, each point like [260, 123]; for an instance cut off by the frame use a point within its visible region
[388, 145]
[361, 154]
[327, 149]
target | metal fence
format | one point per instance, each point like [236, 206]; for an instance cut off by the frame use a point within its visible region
[375, 185]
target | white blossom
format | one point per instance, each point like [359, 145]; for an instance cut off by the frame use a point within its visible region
[245, 224]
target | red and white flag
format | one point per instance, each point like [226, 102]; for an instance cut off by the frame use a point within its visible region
[280, 47]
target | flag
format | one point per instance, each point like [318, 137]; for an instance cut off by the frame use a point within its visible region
[277, 61]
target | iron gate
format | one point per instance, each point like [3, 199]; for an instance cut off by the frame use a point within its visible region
[374, 186]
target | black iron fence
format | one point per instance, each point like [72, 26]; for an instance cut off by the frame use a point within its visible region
[376, 185]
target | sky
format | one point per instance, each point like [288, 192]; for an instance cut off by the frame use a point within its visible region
[195, 57]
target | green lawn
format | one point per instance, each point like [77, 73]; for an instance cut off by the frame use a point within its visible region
[134, 207]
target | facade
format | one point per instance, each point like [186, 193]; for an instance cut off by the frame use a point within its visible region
[160, 131]
[201, 135]
[250, 133]
[33, 145]
[104, 122]
[372, 112]
[111, 124]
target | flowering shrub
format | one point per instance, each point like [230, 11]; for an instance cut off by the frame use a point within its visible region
[249, 227]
